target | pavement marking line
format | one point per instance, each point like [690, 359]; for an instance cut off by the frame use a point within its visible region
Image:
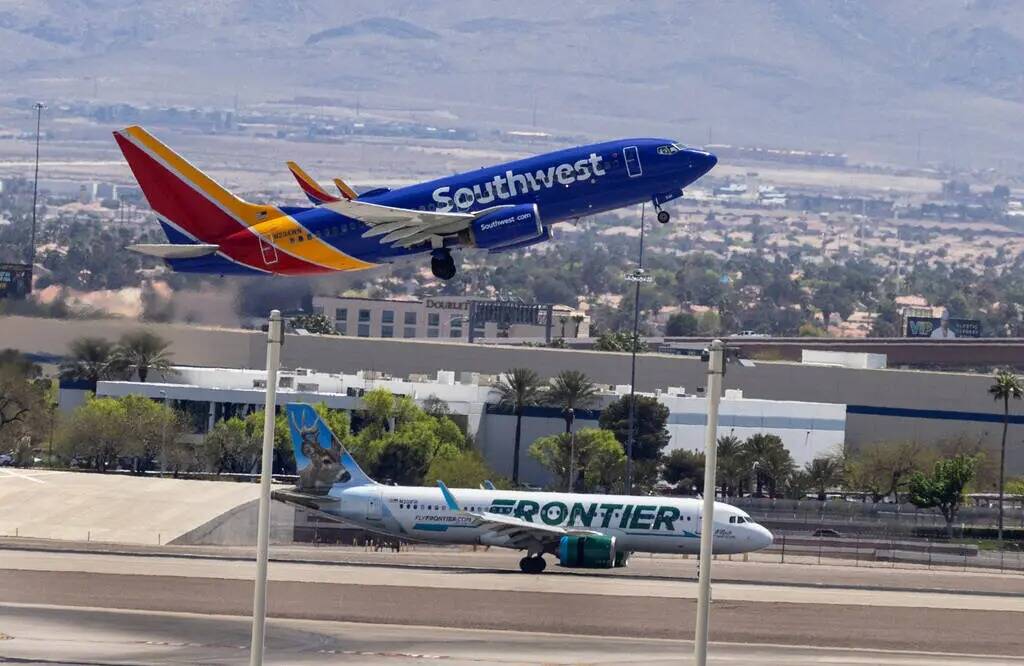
[358, 627]
[20, 475]
[503, 582]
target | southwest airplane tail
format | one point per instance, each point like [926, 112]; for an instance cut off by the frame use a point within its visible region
[580, 530]
[192, 207]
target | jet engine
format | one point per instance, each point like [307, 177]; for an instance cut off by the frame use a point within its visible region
[506, 227]
[545, 235]
[588, 552]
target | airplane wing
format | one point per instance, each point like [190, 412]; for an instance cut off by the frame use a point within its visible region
[519, 533]
[405, 227]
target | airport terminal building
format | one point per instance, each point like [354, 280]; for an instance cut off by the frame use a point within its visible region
[207, 395]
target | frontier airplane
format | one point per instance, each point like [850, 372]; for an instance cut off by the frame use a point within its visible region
[581, 530]
[497, 208]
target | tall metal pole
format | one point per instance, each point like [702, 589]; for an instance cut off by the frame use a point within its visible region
[571, 413]
[716, 367]
[631, 436]
[259, 605]
[163, 435]
[39, 106]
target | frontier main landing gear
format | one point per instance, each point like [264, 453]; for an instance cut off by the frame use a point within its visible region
[534, 564]
[442, 265]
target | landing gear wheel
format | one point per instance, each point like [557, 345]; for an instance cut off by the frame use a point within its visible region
[532, 565]
[442, 265]
[663, 216]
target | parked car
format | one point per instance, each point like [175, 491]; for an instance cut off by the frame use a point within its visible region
[6, 459]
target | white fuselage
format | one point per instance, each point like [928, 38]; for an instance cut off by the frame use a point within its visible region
[639, 523]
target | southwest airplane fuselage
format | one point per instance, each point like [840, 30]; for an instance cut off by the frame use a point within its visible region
[495, 208]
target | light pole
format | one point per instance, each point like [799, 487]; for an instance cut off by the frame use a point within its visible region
[163, 434]
[38, 106]
[716, 371]
[638, 276]
[275, 337]
[571, 415]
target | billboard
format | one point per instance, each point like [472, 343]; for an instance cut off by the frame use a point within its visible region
[931, 327]
[15, 280]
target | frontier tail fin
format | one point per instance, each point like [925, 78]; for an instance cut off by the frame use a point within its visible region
[185, 198]
[321, 459]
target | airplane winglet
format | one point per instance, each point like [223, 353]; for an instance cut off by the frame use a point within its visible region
[345, 190]
[449, 499]
[310, 187]
[488, 485]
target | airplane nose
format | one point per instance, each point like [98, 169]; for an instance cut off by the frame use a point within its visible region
[761, 537]
[707, 161]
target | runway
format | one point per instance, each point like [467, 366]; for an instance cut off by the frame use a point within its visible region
[50, 635]
[44, 590]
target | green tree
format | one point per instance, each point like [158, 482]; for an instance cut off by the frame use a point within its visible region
[316, 323]
[94, 433]
[682, 324]
[882, 469]
[944, 488]
[650, 432]
[772, 461]
[824, 473]
[571, 389]
[232, 446]
[519, 388]
[466, 469]
[685, 470]
[620, 341]
[733, 466]
[90, 360]
[142, 351]
[24, 406]
[1006, 386]
[599, 465]
[150, 429]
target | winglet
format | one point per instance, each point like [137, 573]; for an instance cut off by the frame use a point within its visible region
[488, 485]
[345, 190]
[449, 499]
[310, 187]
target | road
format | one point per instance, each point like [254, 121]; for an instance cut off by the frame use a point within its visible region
[572, 617]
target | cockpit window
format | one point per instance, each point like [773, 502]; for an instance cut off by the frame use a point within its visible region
[670, 149]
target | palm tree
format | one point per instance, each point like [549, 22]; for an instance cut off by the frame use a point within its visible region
[1007, 385]
[144, 351]
[733, 466]
[90, 360]
[571, 389]
[824, 473]
[519, 388]
[772, 461]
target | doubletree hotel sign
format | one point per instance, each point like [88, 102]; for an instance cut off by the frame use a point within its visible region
[15, 280]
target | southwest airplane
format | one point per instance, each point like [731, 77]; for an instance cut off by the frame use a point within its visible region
[497, 208]
[580, 530]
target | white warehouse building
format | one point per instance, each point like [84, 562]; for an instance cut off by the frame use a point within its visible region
[807, 429]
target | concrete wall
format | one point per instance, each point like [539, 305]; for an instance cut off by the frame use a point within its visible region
[882, 404]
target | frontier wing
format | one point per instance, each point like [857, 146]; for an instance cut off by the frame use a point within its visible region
[516, 532]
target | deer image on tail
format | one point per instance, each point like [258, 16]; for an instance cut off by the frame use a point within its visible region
[325, 467]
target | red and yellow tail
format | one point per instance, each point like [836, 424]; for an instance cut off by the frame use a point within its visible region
[183, 196]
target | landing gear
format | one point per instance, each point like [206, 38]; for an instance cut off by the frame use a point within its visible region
[534, 564]
[442, 265]
[663, 216]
